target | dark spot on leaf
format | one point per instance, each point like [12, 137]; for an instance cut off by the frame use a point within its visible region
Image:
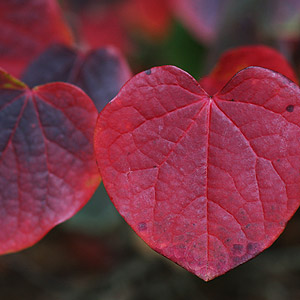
[232, 100]
[252, 248]
[142, 226]
[278, 160]
[237, 248]
[248, 225]
[290, 108]
[148, 72]
[236, 260]
[228, 240]
[154, 167]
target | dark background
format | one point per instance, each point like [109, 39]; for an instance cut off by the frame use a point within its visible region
[96, 256]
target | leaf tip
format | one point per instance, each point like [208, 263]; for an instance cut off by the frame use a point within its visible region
[92, 181]
[207, 274]
[7, 81]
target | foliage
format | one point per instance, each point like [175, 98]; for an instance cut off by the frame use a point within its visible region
[205, 172]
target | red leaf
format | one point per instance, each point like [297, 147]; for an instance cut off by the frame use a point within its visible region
[237, 59]
[208, 182]
[102, 23]
[26, 29]
[102, 26]
[151, 17]
[47, 166]
[100, 73]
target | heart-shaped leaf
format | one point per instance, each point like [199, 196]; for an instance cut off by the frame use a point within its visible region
[47, 165]
[237, 59]
[208, 182]
[26, 29]
[100, 73]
